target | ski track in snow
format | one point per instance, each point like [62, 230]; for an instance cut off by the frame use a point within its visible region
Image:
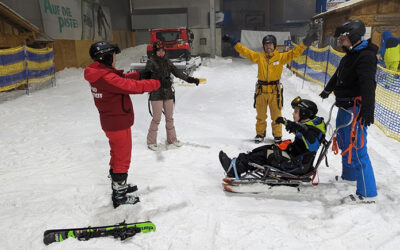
[55, 157]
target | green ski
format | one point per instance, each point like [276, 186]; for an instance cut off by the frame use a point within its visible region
[121, 231]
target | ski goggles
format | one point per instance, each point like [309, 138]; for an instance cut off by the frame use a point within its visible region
[296, 101]
[159, 45]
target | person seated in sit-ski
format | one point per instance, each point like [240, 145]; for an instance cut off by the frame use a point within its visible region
[293, 157]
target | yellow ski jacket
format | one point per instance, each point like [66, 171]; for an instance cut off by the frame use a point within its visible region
[270, 66]
[392, 58]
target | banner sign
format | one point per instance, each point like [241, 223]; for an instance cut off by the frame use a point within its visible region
[333, 3]
[76, 20]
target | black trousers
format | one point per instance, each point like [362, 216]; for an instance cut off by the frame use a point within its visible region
[259, 156]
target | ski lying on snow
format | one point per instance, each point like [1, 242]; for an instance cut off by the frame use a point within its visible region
[253, 186]
[122, 231]
[165, 147]
[247, 188]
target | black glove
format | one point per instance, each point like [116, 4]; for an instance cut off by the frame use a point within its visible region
[228, 39]
[312, 35]
[280, 120]
[293, 127]
[193, 80]
[324, 94]
[366, 116]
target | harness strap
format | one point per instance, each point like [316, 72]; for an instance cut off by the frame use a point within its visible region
[312, 179]
[335, 148]
[259, 90]
[353, 132]
[233, 165]
[268, 83]
[279, 95]
[149, 106]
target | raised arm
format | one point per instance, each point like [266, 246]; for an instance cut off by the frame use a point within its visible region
[287, 57]
[246, 52]
[122, 85]
[241, 49]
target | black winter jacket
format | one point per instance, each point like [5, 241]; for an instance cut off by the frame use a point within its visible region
[355, 76]
[161, 69]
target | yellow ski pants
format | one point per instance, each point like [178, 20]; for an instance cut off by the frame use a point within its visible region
[267, 97]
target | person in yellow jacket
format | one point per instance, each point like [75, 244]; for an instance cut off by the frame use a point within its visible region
[392, 54]
[268, 88]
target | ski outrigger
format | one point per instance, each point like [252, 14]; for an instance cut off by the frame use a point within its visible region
[263, 177]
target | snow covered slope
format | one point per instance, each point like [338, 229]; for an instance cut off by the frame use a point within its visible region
[54, 167]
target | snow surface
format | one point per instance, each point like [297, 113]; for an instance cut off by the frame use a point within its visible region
[55, 157]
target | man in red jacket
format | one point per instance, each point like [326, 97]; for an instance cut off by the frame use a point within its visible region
[110, 90]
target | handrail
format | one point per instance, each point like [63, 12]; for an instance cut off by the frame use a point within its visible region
[326, 146]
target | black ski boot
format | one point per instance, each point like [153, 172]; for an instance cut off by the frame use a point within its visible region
[258, 139]
[120, 189]
[226, 162]
[131, 188]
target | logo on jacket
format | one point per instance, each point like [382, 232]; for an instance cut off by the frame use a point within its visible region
[95, 94]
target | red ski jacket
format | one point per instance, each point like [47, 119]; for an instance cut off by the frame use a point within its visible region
[111, 91]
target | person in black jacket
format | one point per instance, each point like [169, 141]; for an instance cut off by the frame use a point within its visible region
[354, 86]
[294, 157]
[162, 100]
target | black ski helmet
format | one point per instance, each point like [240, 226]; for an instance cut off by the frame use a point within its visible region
[308, 109]
[353, 29]
[103, 52]
[269, 39]
[158, 45]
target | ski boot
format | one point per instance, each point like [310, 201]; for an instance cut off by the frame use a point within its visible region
[131, 188]
[357, 199]
[226, 162]
[258, 139]
[120, 189]
[277, 139]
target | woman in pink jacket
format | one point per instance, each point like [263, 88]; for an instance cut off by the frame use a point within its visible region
[110, 89]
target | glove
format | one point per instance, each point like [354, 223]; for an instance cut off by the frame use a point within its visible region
[312, 35]
[293, 127]
[366, 116]
[193, 80]
[133, 75]
[228, 39]
[280, 120]
[324, 94]
[310, 38]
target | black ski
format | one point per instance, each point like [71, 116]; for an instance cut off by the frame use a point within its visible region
[121, 231]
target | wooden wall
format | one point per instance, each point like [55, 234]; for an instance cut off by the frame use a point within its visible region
[75, 53]
[12, 35]
[380, 15]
